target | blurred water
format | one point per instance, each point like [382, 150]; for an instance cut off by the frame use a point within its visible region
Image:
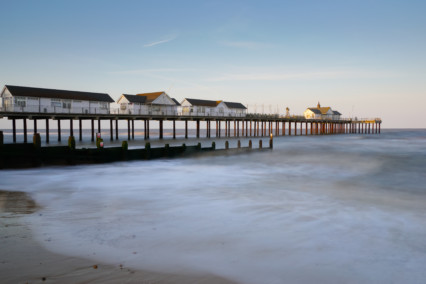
[323, 209]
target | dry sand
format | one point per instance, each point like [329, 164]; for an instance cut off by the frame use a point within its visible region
[23, 260]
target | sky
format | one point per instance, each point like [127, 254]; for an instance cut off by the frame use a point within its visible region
[365, 59]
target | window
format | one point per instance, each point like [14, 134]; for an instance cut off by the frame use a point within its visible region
[55, 102]
[20, 101]
[66, 104]
[103, 105]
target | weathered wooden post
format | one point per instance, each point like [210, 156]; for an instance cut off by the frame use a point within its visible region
[260, 144]
[71, 142]
[271, 142]
[133, 129]
[226, 145]
[37, 140]
[214, 145]
[148, 149]
[116, 129]
[160, 126]
[128, 129]
[59, 129]
[25, 130]
[92, 122]
[250, 144]
[47, 130]
[14, 129]
[239, 144]
[186, 128]
[111, 130]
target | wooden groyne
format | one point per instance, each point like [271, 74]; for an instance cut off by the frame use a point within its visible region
[29, 155]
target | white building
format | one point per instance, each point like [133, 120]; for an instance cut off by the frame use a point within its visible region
[39, 100]
[231, 109]
[195, 107]
[321, 113]
[158, 103]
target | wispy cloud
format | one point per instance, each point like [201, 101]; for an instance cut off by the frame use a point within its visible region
[154, 43]
[277, 76]
[152, 70]
[246, 44]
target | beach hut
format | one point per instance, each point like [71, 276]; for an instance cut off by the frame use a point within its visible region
[40, 100]
[157, 103]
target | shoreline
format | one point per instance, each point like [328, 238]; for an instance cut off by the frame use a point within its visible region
[24, 260]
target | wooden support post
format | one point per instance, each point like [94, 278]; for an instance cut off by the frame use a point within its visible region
[144, 129]
[247, 128]
[59, 130]
[80, 130]
[116, 129]
[283, 131]
[238, 128]
[197, 123]
[93, 129]
[174, 129]
[25, 131]
[128, 129]
[14, 129]
[71, 128]
[226, 128]
[111, 130]
[229, 128]
[186, 128]
[250, 127]
[289, 128]
[35, 126]
[306, 128]
[235, 128]
[99, 125]
[133, 129]
[47, 130]
[301, 128]
[147, 128]
[160, 124]
[379, 126]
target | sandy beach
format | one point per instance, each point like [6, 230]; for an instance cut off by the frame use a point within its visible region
[23, 260]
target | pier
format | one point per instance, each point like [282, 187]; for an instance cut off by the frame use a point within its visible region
[249, 125]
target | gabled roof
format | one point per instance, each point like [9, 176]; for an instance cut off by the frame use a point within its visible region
[58, 94]
[336, 112]
[135, 99]
[234, 105]
[176, 102]
[196, 102]
[315, 110]
[150, 97]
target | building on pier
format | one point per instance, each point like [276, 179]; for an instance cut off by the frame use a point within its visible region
[320, 112]
[158, 103]
[39, 100]
[196, 107]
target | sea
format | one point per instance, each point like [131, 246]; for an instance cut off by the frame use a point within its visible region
[315, 209]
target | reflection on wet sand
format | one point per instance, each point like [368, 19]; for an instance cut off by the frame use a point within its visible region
[16, 202]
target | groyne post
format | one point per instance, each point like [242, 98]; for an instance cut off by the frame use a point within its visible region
[260, 144]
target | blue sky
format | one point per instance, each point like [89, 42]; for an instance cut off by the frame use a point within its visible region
[363, 58]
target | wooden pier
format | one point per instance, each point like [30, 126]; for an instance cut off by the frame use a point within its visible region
[247, 126]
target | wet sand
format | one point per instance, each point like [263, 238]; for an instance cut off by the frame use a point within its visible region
[23, 260]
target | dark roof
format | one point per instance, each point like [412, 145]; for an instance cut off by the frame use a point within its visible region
[135, 98]
[315, 110]
[336, 112]
[176, 102]
[234, 105]
[57, 94]
[196, 102]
